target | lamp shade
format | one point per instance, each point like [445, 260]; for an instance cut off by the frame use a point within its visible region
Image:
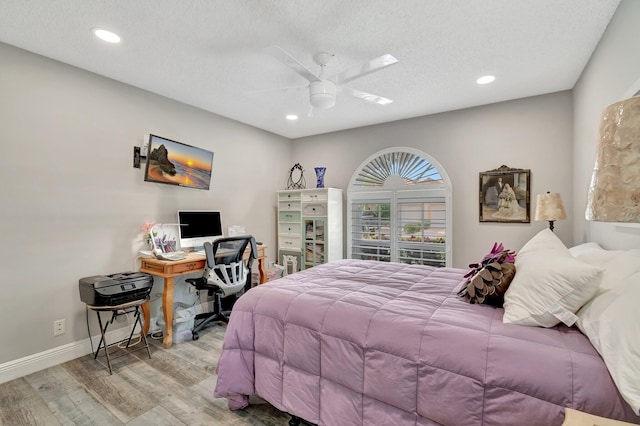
[614, 192]
[549, 207]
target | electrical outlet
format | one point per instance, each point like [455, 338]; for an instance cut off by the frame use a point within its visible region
[192, 289]
[59, 327]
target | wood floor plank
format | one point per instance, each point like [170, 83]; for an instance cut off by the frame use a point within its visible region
[119, 397]
[193, 412]
[202, 359]
[140, 375]
[81, 408]
[20, 404]
[210, 341]
[169, 362]
[53, 383]
[157, 416]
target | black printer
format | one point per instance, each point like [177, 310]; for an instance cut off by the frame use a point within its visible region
[115, 289]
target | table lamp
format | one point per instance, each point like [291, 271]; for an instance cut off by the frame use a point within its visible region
[549, 207]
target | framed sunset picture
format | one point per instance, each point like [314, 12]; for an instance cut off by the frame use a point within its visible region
[176, 163]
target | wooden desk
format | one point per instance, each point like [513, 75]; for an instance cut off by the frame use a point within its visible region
[169, 269]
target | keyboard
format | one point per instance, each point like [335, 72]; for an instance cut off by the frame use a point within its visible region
[175, 255]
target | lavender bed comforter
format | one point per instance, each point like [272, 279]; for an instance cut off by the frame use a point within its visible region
[369, 343]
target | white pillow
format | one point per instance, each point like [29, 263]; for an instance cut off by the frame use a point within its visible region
[610, 321]
[593, 254]
[550, 285]
[544, 240]
[624, 264]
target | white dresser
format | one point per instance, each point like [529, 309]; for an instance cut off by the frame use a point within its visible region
[309, 227]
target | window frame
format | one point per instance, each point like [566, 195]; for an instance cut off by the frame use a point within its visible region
[395, 188]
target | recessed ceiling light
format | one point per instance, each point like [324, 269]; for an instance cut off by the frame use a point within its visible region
[486, 79]
[107, 36]
[291, 117]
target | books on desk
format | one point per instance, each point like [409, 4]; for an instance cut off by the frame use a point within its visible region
[173, 255]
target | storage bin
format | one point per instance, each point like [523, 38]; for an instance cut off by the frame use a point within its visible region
[183, 319]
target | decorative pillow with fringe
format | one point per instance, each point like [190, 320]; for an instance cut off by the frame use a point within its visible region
[489, 284]
[489, 280]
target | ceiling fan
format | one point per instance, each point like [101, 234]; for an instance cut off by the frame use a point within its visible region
[323, 90]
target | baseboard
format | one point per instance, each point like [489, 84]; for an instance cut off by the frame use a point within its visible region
[30, 364]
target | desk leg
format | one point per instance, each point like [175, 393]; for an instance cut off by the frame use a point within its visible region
[262, 274]
[167, 310]
[146, 314]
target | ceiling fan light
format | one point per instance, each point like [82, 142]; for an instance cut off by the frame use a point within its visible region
[323, 100]
[322, 94]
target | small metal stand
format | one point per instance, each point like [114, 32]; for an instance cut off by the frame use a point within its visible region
[131, 307]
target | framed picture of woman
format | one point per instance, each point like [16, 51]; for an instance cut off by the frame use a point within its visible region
[504, 195]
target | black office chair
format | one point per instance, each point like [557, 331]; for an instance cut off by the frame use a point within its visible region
[226, 276]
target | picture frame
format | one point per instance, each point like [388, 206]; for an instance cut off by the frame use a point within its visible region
[505, 195]
[296, 177]
[176, 163]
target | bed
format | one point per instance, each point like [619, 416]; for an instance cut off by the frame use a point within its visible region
[357, 342]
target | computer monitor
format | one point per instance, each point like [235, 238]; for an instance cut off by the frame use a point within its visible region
[198, 226]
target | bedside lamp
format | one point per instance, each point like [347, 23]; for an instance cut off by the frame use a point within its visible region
[549, 207]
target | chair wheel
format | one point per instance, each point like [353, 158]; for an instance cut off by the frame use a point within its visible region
[195, 336]
[294, 421]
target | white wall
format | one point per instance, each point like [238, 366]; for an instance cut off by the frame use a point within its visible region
[613, 69]
[533, 133]
[73, 205]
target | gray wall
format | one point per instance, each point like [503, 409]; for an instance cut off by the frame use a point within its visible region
[613, 69]
[73, 205]
[533, 133]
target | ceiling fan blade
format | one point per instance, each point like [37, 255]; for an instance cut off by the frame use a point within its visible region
[366, 96]
[289, 89]
[282, 56]
[313, 112]
[366, 68]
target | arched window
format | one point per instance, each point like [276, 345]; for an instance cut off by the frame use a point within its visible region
[399, 209]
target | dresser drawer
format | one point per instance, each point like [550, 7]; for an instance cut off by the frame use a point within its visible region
[289, 216]
[312, 197]
[289, 242]
[289, 205]
[290, 228]
[289, 196]
[315, 209]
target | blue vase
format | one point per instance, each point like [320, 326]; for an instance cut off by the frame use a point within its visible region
[320, 176]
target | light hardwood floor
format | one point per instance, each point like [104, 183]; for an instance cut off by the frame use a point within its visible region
[174, 387]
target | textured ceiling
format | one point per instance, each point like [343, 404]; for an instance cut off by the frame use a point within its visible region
[210, 53]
